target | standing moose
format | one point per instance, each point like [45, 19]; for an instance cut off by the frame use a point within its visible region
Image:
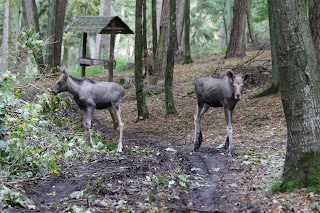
[90, 95]
[222, 92]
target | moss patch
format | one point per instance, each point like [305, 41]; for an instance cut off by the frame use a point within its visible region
[303, 174]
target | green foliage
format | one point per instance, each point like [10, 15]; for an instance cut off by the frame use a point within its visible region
[32, 140]
[91, 70]
[11, 198]
[260, 10]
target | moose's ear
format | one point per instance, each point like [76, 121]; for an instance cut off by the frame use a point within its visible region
[62, 71]
[230, 74]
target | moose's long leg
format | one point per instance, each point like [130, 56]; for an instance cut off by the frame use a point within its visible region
[117, 111]
[115, 121]
[87, 123]
[200, 111]
[228, 144]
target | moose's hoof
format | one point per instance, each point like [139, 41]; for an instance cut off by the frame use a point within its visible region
[119, 149]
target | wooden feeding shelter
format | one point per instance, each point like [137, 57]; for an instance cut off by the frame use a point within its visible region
[102, 25]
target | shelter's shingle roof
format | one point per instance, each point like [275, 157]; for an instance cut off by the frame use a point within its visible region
[99, 24]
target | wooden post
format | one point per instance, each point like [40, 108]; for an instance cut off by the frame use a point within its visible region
[111, 56]
[84, 53]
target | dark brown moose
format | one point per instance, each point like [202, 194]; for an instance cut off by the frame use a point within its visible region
[222, 92]
[90, 95]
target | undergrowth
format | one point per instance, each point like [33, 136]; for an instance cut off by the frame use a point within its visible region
[36, 139]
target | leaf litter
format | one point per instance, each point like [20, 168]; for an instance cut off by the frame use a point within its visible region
[159, 172]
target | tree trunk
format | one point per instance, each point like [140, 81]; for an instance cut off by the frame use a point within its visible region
[144, 39]
[314, 17]
[59, 23]
[228, 20]
[102, 40]
[154, 32]
[250, 24]
[51, 36]
[180, 28]
[143, 112]
[14, 24]
[105, 38]
[31, 19]
[187, 53]
[5, 38]
[300, 91]
[161, 56]
[237, 46]
[170, 108]
[159, 5]
[274, 87]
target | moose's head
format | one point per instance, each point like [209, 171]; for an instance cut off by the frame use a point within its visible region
[62, 83]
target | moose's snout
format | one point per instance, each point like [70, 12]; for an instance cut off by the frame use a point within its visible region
[237, 97]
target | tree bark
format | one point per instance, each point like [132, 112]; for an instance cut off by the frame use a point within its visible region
[274, 87]
[187, 52]
[300, 92]
[5, 38]
[170, 108]
[180, 28]
[250, 24]
[237, 46]
[59, 23]
[143, 112]
[314, 17]
[228, 20]
[146, 60]
[161, 56]
[51, 36]
[102, 40]
[154, 32]
[14, 23]
[31, 19]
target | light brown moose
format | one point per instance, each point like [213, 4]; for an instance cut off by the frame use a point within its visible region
[90, 95]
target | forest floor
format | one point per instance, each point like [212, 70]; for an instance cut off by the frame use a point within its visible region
[158, 170]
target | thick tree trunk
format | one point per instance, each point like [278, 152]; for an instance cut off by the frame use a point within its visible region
[187, 52]
[300, 91]
[237, 46]
[170, 108]
[143, 112]
[314, 17]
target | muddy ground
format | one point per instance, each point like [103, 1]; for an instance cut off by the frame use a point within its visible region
[158, 170]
